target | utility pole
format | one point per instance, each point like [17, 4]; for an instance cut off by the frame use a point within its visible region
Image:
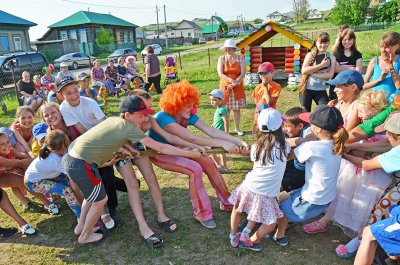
[216, 32]
[212, 25]
[158, 26]
[241, 16]
[166, 32]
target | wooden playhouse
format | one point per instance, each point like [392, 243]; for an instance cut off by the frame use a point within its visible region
[288, 59]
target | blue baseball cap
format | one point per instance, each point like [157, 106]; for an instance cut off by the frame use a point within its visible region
[66, 80]
[39, 131]
[9, 134]
[348, 77]
[218, 93]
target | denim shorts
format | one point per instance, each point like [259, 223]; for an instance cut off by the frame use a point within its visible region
[299, 210]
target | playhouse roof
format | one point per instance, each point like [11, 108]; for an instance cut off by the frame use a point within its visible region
[269, 29]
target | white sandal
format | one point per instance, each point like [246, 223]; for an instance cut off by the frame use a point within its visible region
[110, 224]
[27, 230]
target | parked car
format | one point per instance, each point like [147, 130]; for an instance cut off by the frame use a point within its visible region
[232, 34]
[75, 60]
[121, 53]
[156, 47]
[202, 40]
[33, 62]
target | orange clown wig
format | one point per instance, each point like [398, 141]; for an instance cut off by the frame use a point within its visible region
[177, 96]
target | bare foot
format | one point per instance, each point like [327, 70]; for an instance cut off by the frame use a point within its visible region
[146, 232]
[92, 237]
[78, 229]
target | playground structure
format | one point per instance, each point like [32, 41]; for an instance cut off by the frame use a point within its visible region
[289, 59]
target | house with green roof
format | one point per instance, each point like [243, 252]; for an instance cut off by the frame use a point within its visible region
[14, 33]
[84, 26]
[215, 26]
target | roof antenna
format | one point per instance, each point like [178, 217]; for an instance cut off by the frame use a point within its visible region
[88, 9]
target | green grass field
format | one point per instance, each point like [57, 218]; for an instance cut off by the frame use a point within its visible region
[191, 243]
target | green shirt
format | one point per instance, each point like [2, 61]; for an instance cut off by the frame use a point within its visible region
[369, 126]
[99, 143]
[218, 122]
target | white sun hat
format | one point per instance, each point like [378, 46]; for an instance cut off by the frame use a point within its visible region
[230, 43]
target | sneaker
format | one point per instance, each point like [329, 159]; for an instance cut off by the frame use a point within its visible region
[52, 209]
[209, 223]
[7, 232]
[254, 247]
[28, 230]
[239, 132]
[280, 241]
[245, 238]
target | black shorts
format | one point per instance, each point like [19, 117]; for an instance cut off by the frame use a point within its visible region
[293, 178]
[86, 176]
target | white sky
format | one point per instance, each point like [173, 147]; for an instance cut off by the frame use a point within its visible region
[141, 13]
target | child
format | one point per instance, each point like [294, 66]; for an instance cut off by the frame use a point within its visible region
[347, 56]
[295, 128]
[257, 194]
[85, 90]
[46, 174]
[22, 128]
[51, 95]
[318, 66]
[97, 147]
[267, 93]
[39, 132]
[39, 87]
[323, 157]
[122, 75]
[64, 71]
[8, 208]
[82, 114]
[220, 122]
[12, 168]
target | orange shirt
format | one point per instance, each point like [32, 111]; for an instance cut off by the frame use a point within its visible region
[274, 90]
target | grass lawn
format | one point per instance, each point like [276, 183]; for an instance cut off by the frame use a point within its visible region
[192, 243]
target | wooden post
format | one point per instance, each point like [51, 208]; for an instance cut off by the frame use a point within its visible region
[180, 61]
[209, 59]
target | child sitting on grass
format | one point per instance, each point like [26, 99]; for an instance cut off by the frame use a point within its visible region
[267, 93]
[85, 90]
[39, 87]
[295, 128]
[257, 194]
[220, 122]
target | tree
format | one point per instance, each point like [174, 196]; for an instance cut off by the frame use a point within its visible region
[104, 37]
[300, 10]
[350, 12]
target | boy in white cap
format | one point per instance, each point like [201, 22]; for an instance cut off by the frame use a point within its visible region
[220, 122]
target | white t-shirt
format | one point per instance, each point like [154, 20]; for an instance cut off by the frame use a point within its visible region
[48, 168]
[322, 170]
[266, 180]
[87, 113]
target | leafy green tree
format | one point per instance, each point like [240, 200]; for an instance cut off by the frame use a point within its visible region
[300, 10]
[104, 37]
[350, 12]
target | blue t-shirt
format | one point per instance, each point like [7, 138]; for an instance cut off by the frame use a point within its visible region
[386, 84]
[164, 119]
[93, 93]
[390, 161]
[304, 132]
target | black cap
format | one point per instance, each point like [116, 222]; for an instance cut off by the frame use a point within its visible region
[66, 80]
[324, 117]
[134, 104]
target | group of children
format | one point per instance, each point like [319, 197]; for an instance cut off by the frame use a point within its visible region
[304, 163]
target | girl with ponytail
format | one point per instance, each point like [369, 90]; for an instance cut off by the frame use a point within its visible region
[46, 175]
[318, 66]
[323, 157]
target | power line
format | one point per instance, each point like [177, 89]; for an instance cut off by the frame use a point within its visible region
[90, 4]
[187, 12]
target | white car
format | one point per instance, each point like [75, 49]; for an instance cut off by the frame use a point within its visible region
[74, 60]
[156, 47]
